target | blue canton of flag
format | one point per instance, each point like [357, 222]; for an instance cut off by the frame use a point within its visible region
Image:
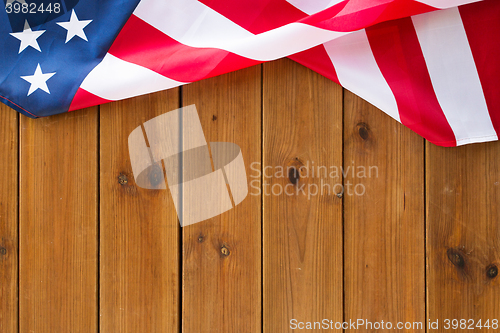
[47, 54]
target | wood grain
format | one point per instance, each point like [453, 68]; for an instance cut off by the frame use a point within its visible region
[463, 234]
[302, 231]
[96, 253]
[384, 226]
[58, 223]
[222, 255]
[8, 219]
[139, 230]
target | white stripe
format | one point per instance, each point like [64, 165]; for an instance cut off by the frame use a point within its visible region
[446, 3]
[194, 24]
[358, 71]
[312, 7]
[116, 79]
[190, 22]
[453, 74]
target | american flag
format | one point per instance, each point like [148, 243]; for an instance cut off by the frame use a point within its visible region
[433, 65]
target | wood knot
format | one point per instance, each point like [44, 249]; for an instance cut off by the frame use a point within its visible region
[3, 251]
[293, 175]
[122, 179]
[456, 257]
[492, 271]
[155, 175]
[363, 130]
[295, 168]
[225, 251]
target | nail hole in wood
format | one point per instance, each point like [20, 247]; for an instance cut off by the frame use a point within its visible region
[225, 251]
[122, 179]
[492, 271]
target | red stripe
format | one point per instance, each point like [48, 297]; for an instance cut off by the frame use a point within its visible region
[318, 60]
[19, 106]
[84, 99]
[257, 16]
[399, 56]
[263, 15]
[146, 46]
[482, 25]
[355, 15]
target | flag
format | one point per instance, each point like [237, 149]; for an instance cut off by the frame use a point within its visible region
[432, 65]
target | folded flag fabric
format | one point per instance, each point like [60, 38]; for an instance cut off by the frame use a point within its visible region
[432, 65]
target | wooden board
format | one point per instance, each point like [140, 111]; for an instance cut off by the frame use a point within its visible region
[58, 223]
[96, 253]
[8, 219]
[302, 130]
[463, 235]
[139, 230]
[221, 264]
[384, 218]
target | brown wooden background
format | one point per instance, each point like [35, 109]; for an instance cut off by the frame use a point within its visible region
[83, 251]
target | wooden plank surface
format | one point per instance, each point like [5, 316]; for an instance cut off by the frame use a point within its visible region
[139, 230]
[99, 254]
[221, 267]
[8, 219]
[302, 231]
[384, 218]
[463, 235]
[58, 223]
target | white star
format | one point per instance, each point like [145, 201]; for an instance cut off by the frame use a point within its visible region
[28, 37]
[12, 1]
[75, 27]
[38, 80]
